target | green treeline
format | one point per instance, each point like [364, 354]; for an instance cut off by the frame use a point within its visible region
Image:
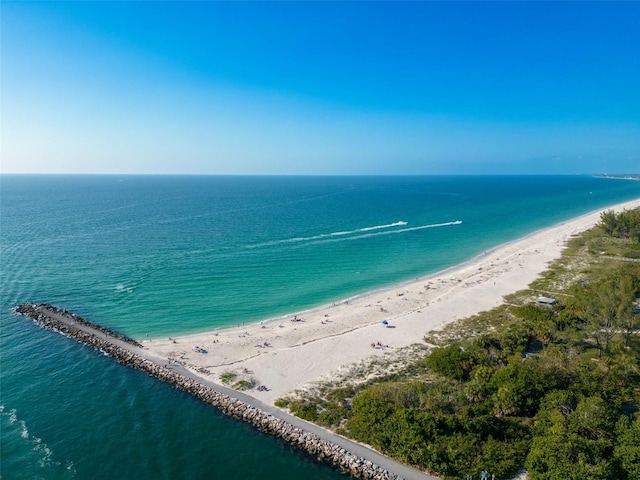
[555, 390]
[626, 224]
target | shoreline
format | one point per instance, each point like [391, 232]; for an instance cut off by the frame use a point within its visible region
[285, 354]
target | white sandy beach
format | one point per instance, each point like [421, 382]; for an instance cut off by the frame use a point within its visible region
[284, 355]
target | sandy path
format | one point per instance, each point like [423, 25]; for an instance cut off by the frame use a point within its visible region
[284, 355]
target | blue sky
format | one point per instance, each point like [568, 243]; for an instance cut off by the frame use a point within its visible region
[320, 87]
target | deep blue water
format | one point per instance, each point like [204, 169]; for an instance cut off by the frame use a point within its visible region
[164, 255]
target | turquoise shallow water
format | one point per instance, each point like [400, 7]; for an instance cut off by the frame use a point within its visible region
[168, 255]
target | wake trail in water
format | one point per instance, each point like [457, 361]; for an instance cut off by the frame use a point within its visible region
[353, 234]
[402, 230]
[326, 235]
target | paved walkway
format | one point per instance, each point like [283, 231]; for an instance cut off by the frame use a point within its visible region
[355, 448]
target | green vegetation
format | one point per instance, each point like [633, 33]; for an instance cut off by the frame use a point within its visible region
[231, 379]
[625, 225]
[227, 377]
[555, 390]
[244, 384]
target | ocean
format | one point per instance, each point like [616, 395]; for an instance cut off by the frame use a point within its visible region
[161, 256]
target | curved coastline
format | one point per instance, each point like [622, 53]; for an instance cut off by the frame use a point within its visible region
[386, 288]
[287, 355]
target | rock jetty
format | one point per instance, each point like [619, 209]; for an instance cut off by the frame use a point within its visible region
[102, 339]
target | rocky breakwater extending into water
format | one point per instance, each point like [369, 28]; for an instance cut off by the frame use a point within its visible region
[104, 340]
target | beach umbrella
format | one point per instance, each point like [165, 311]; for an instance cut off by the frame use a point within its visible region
[384, 322]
